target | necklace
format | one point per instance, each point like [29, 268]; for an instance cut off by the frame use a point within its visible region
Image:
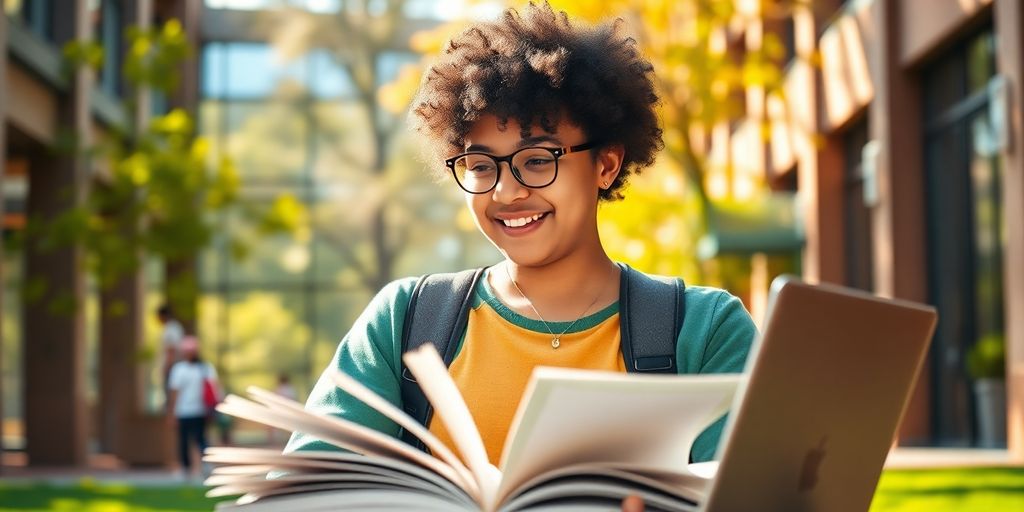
[556, 339]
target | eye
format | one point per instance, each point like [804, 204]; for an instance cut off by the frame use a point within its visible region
[482, 167]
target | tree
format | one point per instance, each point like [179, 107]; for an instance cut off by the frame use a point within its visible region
[716, 62]
[359, 37]
[156, 187]
[151, 197]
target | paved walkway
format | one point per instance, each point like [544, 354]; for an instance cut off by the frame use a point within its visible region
[100, 468]
[925, 458]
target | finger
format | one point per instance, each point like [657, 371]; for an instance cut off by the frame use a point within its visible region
[633, 503]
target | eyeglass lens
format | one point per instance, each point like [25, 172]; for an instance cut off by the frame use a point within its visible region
[534, 167]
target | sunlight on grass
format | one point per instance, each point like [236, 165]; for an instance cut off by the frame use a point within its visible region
[92, 496]
[962, 490]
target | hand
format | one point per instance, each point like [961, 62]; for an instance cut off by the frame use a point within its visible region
[170, 420]
[633, 503]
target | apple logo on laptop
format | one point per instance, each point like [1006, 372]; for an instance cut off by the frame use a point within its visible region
[812, 462]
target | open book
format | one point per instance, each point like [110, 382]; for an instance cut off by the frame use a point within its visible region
[580, 440]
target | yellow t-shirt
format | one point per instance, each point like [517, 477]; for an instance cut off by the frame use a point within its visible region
[500, 350]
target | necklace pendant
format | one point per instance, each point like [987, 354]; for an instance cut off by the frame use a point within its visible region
[555, 343]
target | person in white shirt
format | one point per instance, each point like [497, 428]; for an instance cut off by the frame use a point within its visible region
[171, 335]
[185, 402]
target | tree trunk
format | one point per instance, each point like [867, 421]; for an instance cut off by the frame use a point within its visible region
[181, 288]
[121, 333]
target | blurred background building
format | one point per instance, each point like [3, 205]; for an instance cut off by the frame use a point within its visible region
[888, 160]
[915, 189]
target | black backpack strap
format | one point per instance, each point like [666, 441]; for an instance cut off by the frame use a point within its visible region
[437, 313]
[646, 302]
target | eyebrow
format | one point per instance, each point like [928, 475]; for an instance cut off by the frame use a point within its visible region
[529, 141]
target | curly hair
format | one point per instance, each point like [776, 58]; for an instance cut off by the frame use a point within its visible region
[535, 67]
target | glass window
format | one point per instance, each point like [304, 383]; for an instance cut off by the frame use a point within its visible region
[335, 312]
[266, 333]
[269, 260]
[965, 232]
[251, 71]
[108, 31]
[310, 5]
[213, 80]
[857, 216]
[390, 63]
[295, 127]
[329, 79]
[36, 15]
[980, 61]
[944, 86]
[267, 141]
[246, 71]
[344, 150]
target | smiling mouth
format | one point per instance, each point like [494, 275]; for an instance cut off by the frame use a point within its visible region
[522, 221]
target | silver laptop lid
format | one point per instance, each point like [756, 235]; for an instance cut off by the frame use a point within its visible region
[828, 382]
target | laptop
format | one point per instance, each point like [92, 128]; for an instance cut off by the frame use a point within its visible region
[826, 387]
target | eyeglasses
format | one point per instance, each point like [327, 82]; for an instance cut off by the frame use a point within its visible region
[534, 167]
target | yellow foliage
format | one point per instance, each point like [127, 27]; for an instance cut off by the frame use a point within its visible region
[200, 148]
[657, 227]
[289, 212]
[140, 47]
[395, 96]
[432, 41]
[137, 167]
[173, 28]
[175, 121]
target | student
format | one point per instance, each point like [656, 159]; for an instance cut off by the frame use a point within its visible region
[171, 335]
[538, 119]
[185, 403]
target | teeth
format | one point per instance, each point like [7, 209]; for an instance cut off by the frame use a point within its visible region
[518, 223]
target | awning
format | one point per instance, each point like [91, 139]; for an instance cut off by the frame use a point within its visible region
[767, 224]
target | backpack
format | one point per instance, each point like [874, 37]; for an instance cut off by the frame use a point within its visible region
[211, 395]
[439, 310]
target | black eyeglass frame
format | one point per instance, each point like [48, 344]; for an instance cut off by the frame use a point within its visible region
[556, 153]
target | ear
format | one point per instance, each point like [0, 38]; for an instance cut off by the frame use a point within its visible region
[609, 163]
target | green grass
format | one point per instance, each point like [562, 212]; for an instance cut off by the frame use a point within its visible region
[960, 490]
[91, 496]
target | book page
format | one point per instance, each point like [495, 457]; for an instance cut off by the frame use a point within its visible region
[592, 495]
[337, 431]
[432, 375]
[349, 499]
[685, 487]
[439, 449]
[570, 417]
[247, 461]
[247, 468]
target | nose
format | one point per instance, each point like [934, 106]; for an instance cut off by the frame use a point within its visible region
[508, 189]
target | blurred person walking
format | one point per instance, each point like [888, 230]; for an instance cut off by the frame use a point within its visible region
[190, 382]
[171, 335]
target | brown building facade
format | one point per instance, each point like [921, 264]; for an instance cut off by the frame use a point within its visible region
[41, 105]
[910, 180]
